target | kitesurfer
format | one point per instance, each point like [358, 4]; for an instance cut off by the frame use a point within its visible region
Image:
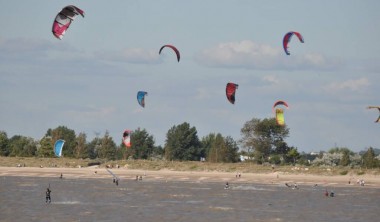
[48, 198]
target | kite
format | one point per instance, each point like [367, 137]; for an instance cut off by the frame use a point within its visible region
[127, 138]
[287, 39]
[230, 91]
[58, 147]
[63, 20]
[141, 98]
[280, 117]
[174, 49]
[279, 112]
[375, 107]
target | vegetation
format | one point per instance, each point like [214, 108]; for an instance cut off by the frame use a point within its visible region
[263, 143]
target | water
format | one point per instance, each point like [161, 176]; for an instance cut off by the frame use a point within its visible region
[23, 199]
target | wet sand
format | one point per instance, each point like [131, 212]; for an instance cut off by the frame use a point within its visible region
[83, 195]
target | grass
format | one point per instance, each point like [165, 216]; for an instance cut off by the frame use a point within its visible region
[195, 166]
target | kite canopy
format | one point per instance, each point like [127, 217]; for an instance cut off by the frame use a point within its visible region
[375, 107]
[230, 91]
[58, 147]
[141, 98]
[127, 138]
[63, 20]
[280, 119]
[280, 102]
[174, 49]
[288, 37]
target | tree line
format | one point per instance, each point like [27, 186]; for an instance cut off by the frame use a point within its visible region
[263, 141]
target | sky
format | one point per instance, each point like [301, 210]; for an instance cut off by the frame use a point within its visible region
[88, 81]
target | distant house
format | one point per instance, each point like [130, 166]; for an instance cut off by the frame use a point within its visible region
[244, 158]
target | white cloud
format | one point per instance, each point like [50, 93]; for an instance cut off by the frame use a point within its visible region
[130, 55]
[351, 84]
[271, 79]
[91, 113]
[251, 55]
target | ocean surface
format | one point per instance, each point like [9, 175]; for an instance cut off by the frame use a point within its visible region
[23, 199]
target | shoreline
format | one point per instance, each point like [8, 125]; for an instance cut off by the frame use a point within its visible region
[125, 174]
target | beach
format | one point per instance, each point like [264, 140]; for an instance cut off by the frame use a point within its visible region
[195, 176]
[89, 194]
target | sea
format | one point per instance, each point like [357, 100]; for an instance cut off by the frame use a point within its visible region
[81, 199]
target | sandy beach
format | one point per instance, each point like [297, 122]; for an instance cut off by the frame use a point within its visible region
[194, 176]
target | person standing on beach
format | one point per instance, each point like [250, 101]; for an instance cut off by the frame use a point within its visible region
[48, 198]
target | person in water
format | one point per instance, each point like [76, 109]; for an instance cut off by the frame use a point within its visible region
[227, 186]
[48, 198]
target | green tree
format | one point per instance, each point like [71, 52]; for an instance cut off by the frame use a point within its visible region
[216, 151]
[264, 137]
[293, 154]
[206, 143]
[22, 146]
[45, 148]
[369, 160]
[219, 148]
[93, 147]
[142, 144]
[62, 132]
[182, 143]
[231, 154]
[4, 148]
[81, 149]
[107, 149]
[345, 161]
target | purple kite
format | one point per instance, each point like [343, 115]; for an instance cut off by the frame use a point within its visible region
[287, 39]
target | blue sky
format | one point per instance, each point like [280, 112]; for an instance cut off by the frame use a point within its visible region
[88, 80]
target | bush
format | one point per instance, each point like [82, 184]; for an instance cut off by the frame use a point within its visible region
[344, 172]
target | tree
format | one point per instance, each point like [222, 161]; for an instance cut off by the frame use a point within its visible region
[62, 132]
[232, 149]
[264, 137]
[22, 146]
[46, 147]
[344, 154]
[107, 149]
[369, 160]
[93, 147]
[81, 148]
[215, 152]
[206, 143]
[142, 144]
[182, 143]
[4, 149]
[345, 161]
[220, 149]
[293, 154]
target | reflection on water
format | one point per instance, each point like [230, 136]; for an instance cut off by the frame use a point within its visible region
[22, 199]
